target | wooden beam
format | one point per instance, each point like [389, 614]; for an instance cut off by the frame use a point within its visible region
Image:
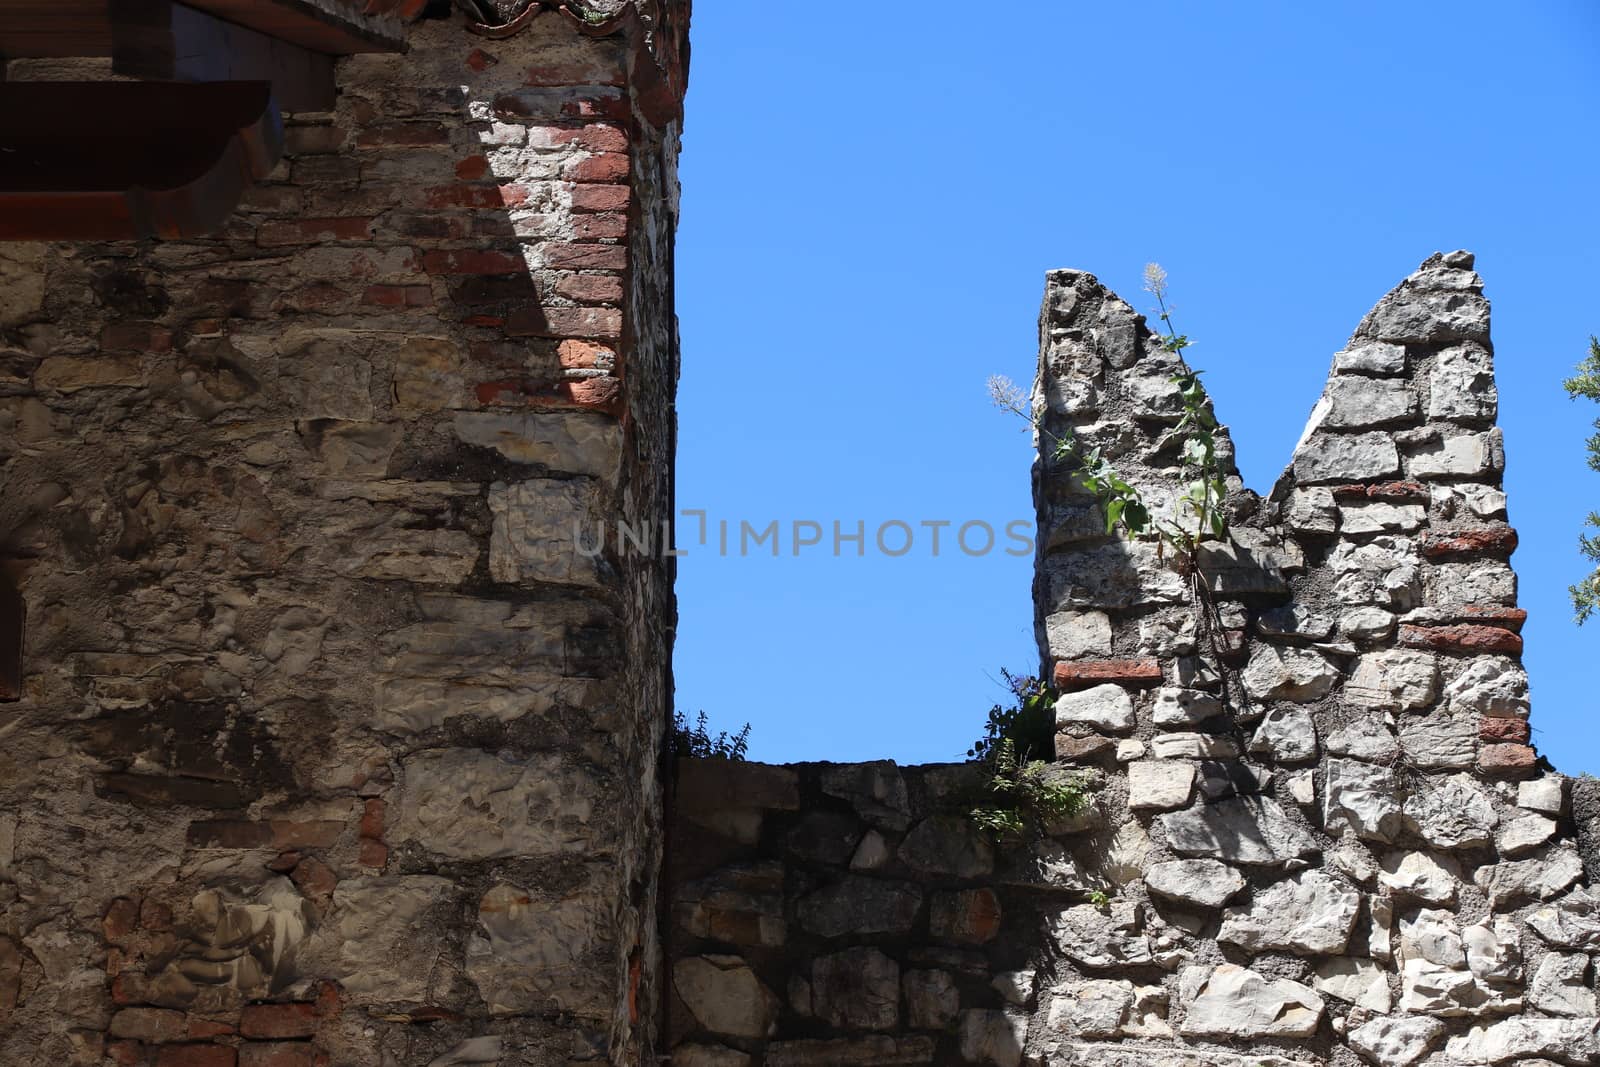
[159, 40]
[200, 48]
[117, 160]
[13, 626]
[336, 27]
[32, 29]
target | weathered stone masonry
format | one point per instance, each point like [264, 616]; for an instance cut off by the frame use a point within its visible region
[331, 749]
[1322, 829]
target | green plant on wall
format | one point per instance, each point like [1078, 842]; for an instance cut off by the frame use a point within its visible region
[1020, 795]
[698, 742]
[1199, 513]
[1029, 721]
[1586, 384]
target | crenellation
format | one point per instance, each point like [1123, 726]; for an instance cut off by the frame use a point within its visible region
[1316, 813]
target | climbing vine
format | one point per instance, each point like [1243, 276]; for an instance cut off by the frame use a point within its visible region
[1199, 512]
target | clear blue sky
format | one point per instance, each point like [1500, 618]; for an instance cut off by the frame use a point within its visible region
[873, 193]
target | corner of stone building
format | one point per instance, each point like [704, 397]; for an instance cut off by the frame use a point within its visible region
[363, 738]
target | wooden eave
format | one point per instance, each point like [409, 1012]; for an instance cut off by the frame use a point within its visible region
[67, 28]
[82, 161]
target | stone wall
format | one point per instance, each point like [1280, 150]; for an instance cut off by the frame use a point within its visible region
[331, 748]
[1321, 830]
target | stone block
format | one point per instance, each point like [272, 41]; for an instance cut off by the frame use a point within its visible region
[473, 805]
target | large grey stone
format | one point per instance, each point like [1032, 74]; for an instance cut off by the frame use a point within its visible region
[1453, 813]
[1452, 970]
[1159, 785]
[1546, 795]
[1356, 520]
[386, 936]
[1106, 1008]
[725, 996]
[1362, 798]
[1370, 357]
[1524, 833]
[1561, 986]
[473, 805]
[741, 903]
[1490, 686]
[1294, 622]
[1078, 634]
[1102, 937]
[857, 904]
[1356, 403]
[1117, 575]
[1396, 1042]
[1573, 922]
[1368, 623]
[1287, 734]
[856, 989]
[1489, 581]
[876, 790]
[1234, 1002]
[1205, 883]
[1415, 316]
[1312, 511]
[993, 1037]
[1383, 571]
[824, 837]
[1253, 831]
[571, 441]
[1440, 741]
[1365, 738]
[533, 953]
[1359, 457]
[1294, 674]
[1574, 1041]
[947, 845]
[1192, 745]
[1184, 707]
[1107, 708]
[544, 531]
[1431, 879]
[1356, 981]
[1469, 455]
[1543, 877]
[1308, 914]
[932, 999]
[1461, 386]
[1394, 680]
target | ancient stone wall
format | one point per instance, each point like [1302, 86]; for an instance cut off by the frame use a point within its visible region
[1322, 833]
[332, 747]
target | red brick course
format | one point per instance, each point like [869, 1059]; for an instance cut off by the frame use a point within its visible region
[1495, 540]
[1507, 760]
[1392, 492]
[1461, 637]
[278, 1020]
[1082, 674]
[1513, 731]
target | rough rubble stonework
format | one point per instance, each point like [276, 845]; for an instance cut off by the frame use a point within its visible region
[331, 750]
[1323, 832]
